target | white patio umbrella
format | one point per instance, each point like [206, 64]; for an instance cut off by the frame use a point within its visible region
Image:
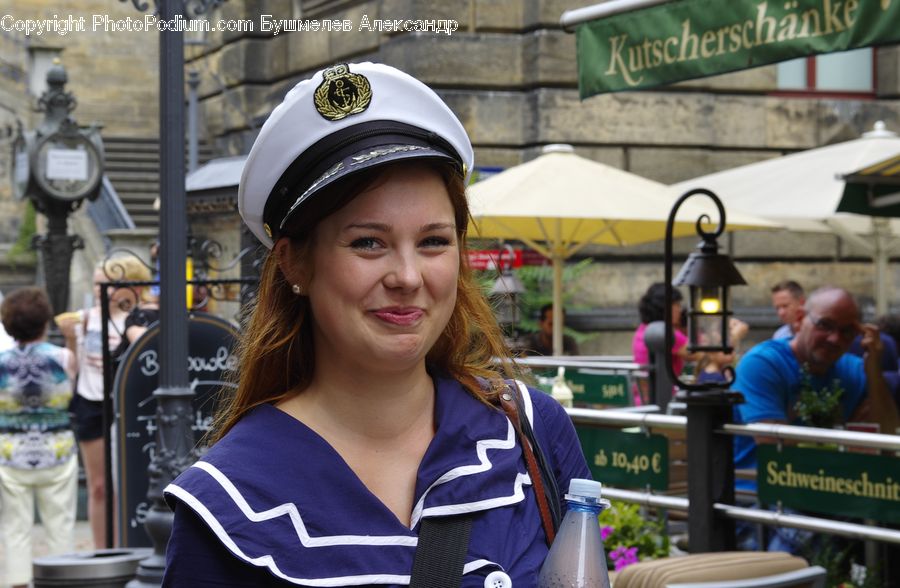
[560, 202]
[801, 191]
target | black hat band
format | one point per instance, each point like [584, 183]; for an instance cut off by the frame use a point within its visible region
[323, 160]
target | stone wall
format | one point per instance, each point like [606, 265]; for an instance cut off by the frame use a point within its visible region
[509, 74]
[14, 108]
[113, 75]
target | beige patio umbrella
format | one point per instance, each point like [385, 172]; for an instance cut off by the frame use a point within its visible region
[801, 191]
[560, 202]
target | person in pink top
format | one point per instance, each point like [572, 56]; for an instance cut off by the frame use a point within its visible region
[652, 307]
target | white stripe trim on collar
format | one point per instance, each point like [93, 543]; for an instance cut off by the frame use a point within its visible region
[484, 464]
[526, 400]
[290, 509]
[267, 561]
[455, 509]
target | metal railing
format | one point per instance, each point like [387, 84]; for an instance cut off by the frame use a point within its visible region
[108, 212]
[615, 363]
[625, 418]
[840, 437]
[781, 519]
[622, 377]
[765, 517]
[588, 416]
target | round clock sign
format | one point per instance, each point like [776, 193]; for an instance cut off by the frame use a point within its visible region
[67, 166]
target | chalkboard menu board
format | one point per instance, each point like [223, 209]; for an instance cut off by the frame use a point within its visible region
[210, 343]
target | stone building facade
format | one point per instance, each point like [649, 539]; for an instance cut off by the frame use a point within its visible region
[113, 75]
[509, 72]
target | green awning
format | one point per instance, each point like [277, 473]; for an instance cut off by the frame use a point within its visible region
[873, 190]
[687, 39]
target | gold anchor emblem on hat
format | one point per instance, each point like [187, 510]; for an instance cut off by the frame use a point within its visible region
[342, 93]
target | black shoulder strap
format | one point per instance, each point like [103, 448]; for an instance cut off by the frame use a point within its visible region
[441, 552]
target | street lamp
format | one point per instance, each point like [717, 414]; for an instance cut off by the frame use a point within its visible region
[709, 275]
[175, 438]
[505, 292]
[57, 166]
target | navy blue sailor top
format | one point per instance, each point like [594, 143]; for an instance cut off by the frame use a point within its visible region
[273, 504]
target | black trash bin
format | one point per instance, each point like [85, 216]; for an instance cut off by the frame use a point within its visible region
[101, 568]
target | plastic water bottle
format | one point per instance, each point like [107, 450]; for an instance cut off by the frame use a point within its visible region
[577, 559]
[561, 391]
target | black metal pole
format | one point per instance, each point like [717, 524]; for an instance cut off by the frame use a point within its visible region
[710, 469]
[56, 250]
[660, 382]
[107, 414]
[193, 84]
[174, 440]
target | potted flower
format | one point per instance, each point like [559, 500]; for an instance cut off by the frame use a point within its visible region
[629, 537]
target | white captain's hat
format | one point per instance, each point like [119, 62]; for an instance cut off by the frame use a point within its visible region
[345, 119]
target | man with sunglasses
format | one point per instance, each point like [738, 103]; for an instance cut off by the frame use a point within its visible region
[772, 374]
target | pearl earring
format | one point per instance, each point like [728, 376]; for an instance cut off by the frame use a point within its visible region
[295, 288]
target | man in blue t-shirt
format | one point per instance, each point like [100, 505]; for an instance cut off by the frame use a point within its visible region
[770, 375]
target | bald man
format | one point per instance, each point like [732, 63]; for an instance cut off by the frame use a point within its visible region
[770, 374]
[770, 377]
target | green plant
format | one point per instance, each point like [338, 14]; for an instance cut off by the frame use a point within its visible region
[22, 246]
[624, 528]
[836, 556]
[818, 408]
[538, 282]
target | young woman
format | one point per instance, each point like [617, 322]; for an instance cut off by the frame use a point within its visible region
[652, 307]
[84, 337]
[368, 374]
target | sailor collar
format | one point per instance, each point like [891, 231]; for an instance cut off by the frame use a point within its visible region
[278, 496]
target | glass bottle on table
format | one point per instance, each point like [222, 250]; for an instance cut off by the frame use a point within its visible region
[561, 391]
[577, 558]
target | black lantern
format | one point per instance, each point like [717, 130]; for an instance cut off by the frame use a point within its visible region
[506, 291]
[709, 405]
[708, 274]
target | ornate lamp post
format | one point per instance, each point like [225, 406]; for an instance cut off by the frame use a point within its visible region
[708, 274]
[506, 291]
[175, 439]
[57, 166]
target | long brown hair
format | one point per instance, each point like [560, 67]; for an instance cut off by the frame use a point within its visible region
[276, 356]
